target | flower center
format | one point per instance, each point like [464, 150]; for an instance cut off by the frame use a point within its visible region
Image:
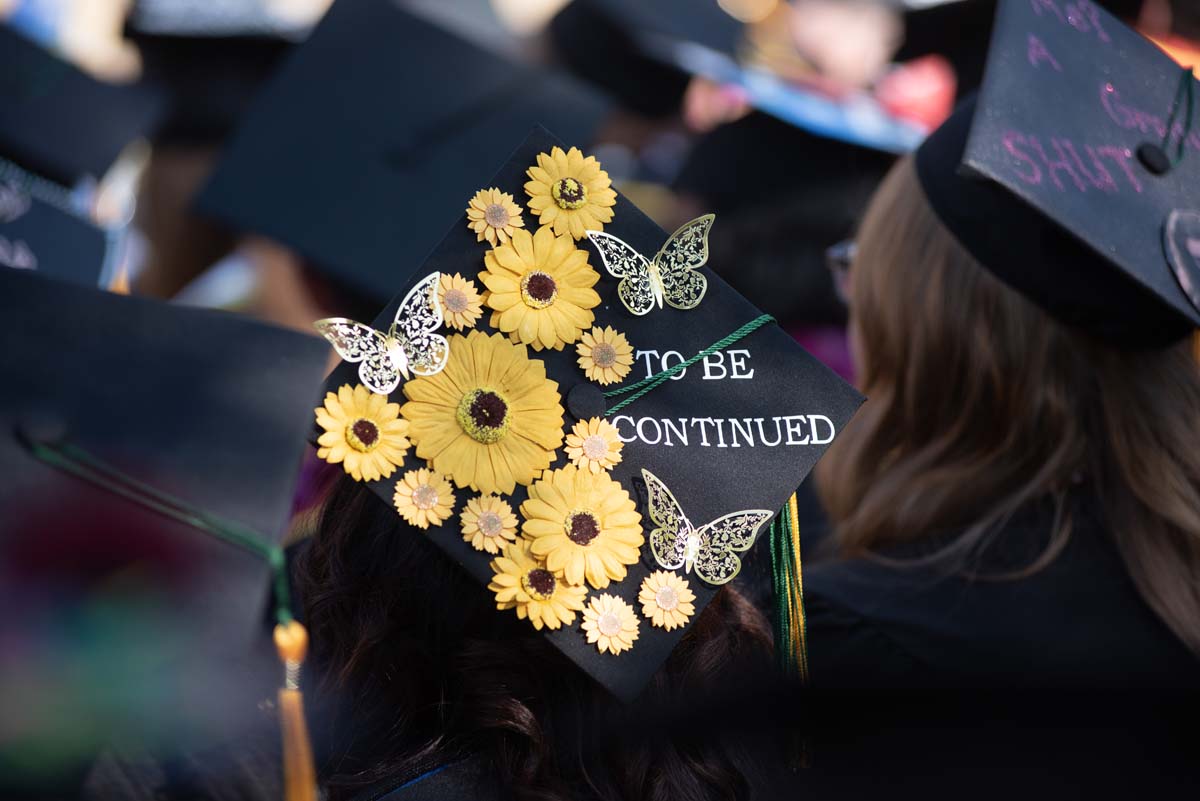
[455, 300]
[595, 447]
[538, 290]
[490, 524]
[609, 624]
[569, 193]
[483, 415]
[362, 435]
[604, 354]
[496, 215]
[425, 497]
[582, 527]
[667, 599]
[539, 583]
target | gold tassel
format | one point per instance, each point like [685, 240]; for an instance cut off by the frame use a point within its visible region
[299, 775]
[796, 598]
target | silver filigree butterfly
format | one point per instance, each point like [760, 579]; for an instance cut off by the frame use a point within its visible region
[672, 275]
[711, 549]
[410, 344]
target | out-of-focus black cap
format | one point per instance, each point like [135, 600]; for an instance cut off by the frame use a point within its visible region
[378, 124]
[210, 58]
[1063, 179]
[131, 624]
[60, 123]
[47, 238]
[735, 432]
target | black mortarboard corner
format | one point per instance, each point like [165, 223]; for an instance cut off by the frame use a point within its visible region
[41, 233]
[736, 431]
[58, 122]
[1063, 176]
[352, 161]
[127, 624]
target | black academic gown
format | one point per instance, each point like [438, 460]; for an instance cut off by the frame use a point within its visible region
[1060, 684]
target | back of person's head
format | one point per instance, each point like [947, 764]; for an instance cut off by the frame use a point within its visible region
[415, 668]
[980, 403]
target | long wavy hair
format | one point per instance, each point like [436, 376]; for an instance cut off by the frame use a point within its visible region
[981, 404]
[415, 668]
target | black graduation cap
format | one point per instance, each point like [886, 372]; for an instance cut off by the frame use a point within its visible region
[737, 430]
[1064, 175]
[352, 161]
[42, 236]
[135, 624]
[60, 123]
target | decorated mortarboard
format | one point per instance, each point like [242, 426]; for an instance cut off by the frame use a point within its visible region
[349, 160]
[575, 409]
[1075, 174]
[49, 238]
[61, 124]
[149, 454]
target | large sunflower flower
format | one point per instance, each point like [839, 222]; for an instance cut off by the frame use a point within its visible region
[585, 526]
[493, 215]
[540, 289]
[491, 419]
[570, 192]
[610, 624]
[423, 498]
[605, 355]
[522, 581]
[363, 432]
[488, 523]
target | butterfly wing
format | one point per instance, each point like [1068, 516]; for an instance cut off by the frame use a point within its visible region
[417, 320]
[717, 561]
[636, 289]
[356, 342]
[680, 260]
[668, 542]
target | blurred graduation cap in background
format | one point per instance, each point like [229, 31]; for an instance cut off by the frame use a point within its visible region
[131, 625]
[61, 124]
[1075, 174]
[210, 57]
[39, 235]
[678, 400]
[351, 162]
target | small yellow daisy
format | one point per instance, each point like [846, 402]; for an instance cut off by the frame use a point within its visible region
[424, 498]
[594, 445]
[570, 192]
[362, 432]
[522, 582]
[605, 355]
[667, 601]
[461, 304]
[493, 215]
[610, 624]
[487, 523]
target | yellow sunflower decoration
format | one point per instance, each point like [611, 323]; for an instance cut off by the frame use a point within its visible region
[605, 355]
[487, 523]
[570, 193]
[363, 433]
[610, 624]
[493, 215]
[521, 581]
[594, 445]
[461, 304]
[491, 419]
[584, 525]
[540, 289]
[423, 498]
[667, 600]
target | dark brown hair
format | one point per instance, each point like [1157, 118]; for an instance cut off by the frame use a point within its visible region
[415, 668]
[980, 403]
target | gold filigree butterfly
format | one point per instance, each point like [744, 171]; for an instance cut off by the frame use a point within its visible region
[672, 275]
